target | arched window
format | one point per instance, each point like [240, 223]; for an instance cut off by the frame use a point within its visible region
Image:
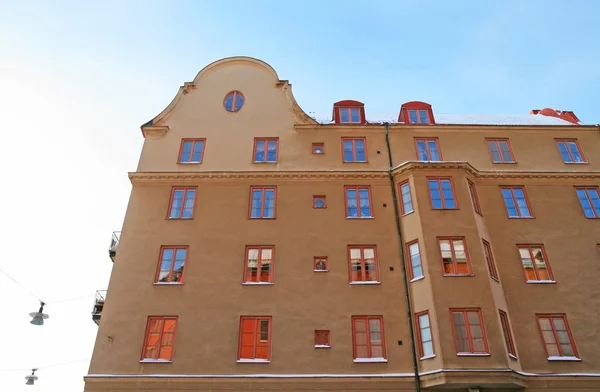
[233, 101]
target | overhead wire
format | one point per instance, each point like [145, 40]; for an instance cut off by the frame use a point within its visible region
[45, 367]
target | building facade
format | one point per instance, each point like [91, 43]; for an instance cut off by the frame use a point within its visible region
[264, 248]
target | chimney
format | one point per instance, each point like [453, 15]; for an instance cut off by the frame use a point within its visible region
[563, 115]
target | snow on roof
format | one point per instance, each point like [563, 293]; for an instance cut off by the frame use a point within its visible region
[463, 119]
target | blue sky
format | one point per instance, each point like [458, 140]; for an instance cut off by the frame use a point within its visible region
[77, 79]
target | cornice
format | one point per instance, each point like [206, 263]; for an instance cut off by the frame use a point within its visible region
[154, 130]
[469, 128]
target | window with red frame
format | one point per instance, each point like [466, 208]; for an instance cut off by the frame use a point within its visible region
[171, 265]
[320, 264]
[319, 201]
[441, 193]
[570, 151]
[500, 150]
[358, 202]
[428, 149]
[455, 258]
[474, 198]
[192, 150]
[181, 205]
[354, 149]
[424, 335]
[266, 150]
[508, 340]
[589, 197]
[489, 259]
[416, 269]
[159, 338]
[516, 202]
[322, 339]
[259, 264]
[535, 263]
[557, 336]
[233, 101]
[263, 202]
[469, 333]
[350, 115]
[363, 263]
[367, 337]
[255, 338]
[406, 206]
[318, 148]
[419, 116]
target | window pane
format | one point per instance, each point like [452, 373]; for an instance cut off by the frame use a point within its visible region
[188, 207]
[575, 152]
[259, 152]
[459, 251]
[427, 349]
[434, 154]
[197, 155]
[272, 151]
[422, 150]
[348, 151]
[412, 115]
[494, 150]
[505, 150]
[257, 198]
[252, 267]
[264, 330]
[239, 101]
[344, 115]
[186, 153]
[434, 191]
[269, 209]
[355, 115]
[521, 202]
[176, 204]
[562, 147]
[360, 150]
[229, 102]
[423, 116]
[365, 205]
[509, 201]
[424, 322]
[448, 195]
[351, 202]
[406, 198]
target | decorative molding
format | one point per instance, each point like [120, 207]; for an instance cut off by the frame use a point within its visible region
[155, 130]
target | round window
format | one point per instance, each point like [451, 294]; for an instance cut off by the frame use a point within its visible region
[233, 101]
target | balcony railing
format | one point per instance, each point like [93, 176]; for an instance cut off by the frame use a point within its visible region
[98, 305]
[114, 244]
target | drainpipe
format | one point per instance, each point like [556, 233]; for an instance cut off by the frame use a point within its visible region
[404, 275]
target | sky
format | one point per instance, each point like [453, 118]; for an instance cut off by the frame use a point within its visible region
[77, 79]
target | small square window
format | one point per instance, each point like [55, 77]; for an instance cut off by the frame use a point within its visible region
[318, 148]
[322, 338]
[319, 202]
[320, 264]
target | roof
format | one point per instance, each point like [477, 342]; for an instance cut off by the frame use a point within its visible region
[464, 119]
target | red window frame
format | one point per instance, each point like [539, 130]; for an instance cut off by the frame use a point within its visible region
[315, 146]
[510, 345]
[474, 198]
[420, 336]
[514, 199]
[427, 140]
[442, 198]
[234, 101]
[266, 140]
[264, 190]
[194, 142]
[183, 199]
[468, 325]
[319, 259]
[412, 267]
[489, 258]
[250, 338]
[160, 261]
[322, 338]
[418, 110]
[354, 140]
[260, 278]
[363, 271]
[402, 207]
[349, 110]
[369, 343]
[552, 318]
[588, 190]
[161, 342]
[534, 270]
[319, 197]
[357, 189]
[569, 151]
[455, 264]
[497, 142]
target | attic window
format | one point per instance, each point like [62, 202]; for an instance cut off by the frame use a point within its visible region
[233, 101]
[418, 116]
[350, 115]
[349, 112]
[416, 112]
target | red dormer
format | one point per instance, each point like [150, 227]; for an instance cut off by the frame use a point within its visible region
[562, 114]
[349, 112]
[416, 112]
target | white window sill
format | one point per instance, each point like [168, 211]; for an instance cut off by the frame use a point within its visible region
[168, 283]
[264, 162]
[354, 161]
[417, 279]
[150, 360]
[520, 217]
[540, 281]
[370, 360]
[253, 360]
[427, 357]
[473, 354]
[320, 270]
[189, 163]
[322, 346]
[367, 282]
[576, 163]
[512, 356]
[407, 213]
[360, 217]
[564, 359]
[257, 284]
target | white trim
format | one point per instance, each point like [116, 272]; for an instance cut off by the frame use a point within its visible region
[366, 282]
[473, 354]
[564, 359]
[427, 357]
[320, 270]
[406, 213]
[360, 217]
[513, 356]
[370, 360]
[539, 281]
[322, 346]
[417, 279]
[576, 163]
[254, 360]
[257, 283]
[151, 360]
[168, 283]
[187, 163]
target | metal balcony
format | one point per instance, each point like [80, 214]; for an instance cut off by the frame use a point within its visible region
[98, 306]
[114, 244]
